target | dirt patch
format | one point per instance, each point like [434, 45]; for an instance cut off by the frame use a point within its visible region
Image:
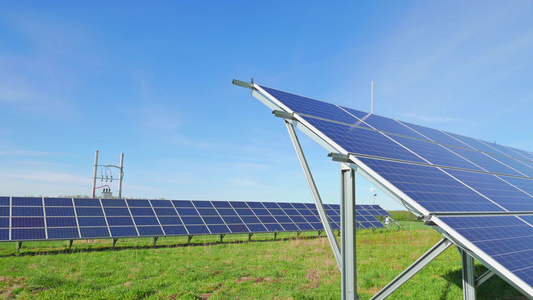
[206, 296]
[12, 284]
[313, 276]
[254, 279]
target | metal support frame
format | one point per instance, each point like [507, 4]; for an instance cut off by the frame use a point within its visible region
[348, 239]
[319, 233]
[221, 237]
[484, 277]
[469, 280]
[298, 234]
[154, 241]
[250, 237]
[114, 242]
[414, 268]
[70, 242]
[314, 192]
[275, 235]
[19, 246]
[189, 238]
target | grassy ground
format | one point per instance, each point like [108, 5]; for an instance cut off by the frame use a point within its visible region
[289, 268]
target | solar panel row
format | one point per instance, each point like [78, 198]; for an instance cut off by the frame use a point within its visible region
[30, 218]
[473, 175]
[392, 139]
[443, 172]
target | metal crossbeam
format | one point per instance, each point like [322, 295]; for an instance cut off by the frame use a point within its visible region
[413, 269]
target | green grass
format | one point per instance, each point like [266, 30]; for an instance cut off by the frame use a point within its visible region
[289, 268]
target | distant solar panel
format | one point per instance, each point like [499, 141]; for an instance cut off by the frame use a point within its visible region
[67, 218]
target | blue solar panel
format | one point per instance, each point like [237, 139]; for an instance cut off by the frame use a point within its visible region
[142, 211]
[113, 202]
[26, 201]
[175, 230]
[506, 151]
[119, 221]
[182, 203]
[385, 124]
[165, 211]
[213, 220]
[523, 184]
[94, 232]
[4, 222]
[161, 203]
[138, 203]
[473, 143]
[116, 211]
[273, 227]
[123, 231]
[170, 221]
[92, 221]
[86, 202]
[226, 212]
[204, 204]
[4, 234]
[238, 228]
[207, 212]
[27, 222]
[257, 228]
[218, 229]
[57, 202]
[63, 233]
[507, 239]
[150, 231]
[220, 204]
[431, 187]
[244, 212]
[312, 107]
[436, 135]
[191, 220]
[484, 161]
[527, 155]
[89, 211]
[4, 211]
[238, 204]
[4, 201]
[496, 190]
[515, 164]
[59, 211]
[436, 154]
[250, 220]
[28, 234]
[61, 222]
[187, 211]
[27, 211]
[289, 227]
[376, 144]
[139, 221]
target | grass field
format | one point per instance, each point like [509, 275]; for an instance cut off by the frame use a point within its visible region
[288, 268]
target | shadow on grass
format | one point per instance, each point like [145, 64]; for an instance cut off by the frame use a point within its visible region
[56, 251]
[493, 288]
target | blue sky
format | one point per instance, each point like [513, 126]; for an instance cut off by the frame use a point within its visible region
[153, 80]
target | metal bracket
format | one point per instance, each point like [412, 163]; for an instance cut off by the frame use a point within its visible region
[283, 114]
[481, 279]
[418, 265]
[339, 157]
[114, 242]
[243, 84]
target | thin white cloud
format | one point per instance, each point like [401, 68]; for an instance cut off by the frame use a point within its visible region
[434, 119]
[31, 153]
[50, 177]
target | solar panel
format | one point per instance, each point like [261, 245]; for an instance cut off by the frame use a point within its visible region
[67, 218]
[437, 173]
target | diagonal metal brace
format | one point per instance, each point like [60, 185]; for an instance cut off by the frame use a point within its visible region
[413, 269]
[314, 192]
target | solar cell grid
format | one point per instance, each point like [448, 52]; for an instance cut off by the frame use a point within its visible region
[113, 202]
[4, 211]
[238, 204]
[161, 203]
[221, 204]
[376, 144]
[182, 203]
[57, 202]
[436, 135]
[138, 203]
[515, 164]
[4, 201]
[26, 201]
[86, 202]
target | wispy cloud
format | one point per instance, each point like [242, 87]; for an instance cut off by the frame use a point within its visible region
[434, 119]
[31, 153]
[49, 177]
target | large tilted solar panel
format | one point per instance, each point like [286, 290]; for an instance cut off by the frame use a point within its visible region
[440, 173]
[33, 218]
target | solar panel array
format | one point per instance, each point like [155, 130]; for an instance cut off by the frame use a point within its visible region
[440, 171]
[32, 218]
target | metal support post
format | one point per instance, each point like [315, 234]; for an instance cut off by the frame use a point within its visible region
[298, 234]
[19, 245]
[418, 265]
[275, 235]
[221, 237]
[314, 192]
[189, 238]
[348, 250]
[114, 242]
[154, 240]
[250, 237]
[469, 281]
[95, 172]
[70, 242]
[120, 175]
[319, 233]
